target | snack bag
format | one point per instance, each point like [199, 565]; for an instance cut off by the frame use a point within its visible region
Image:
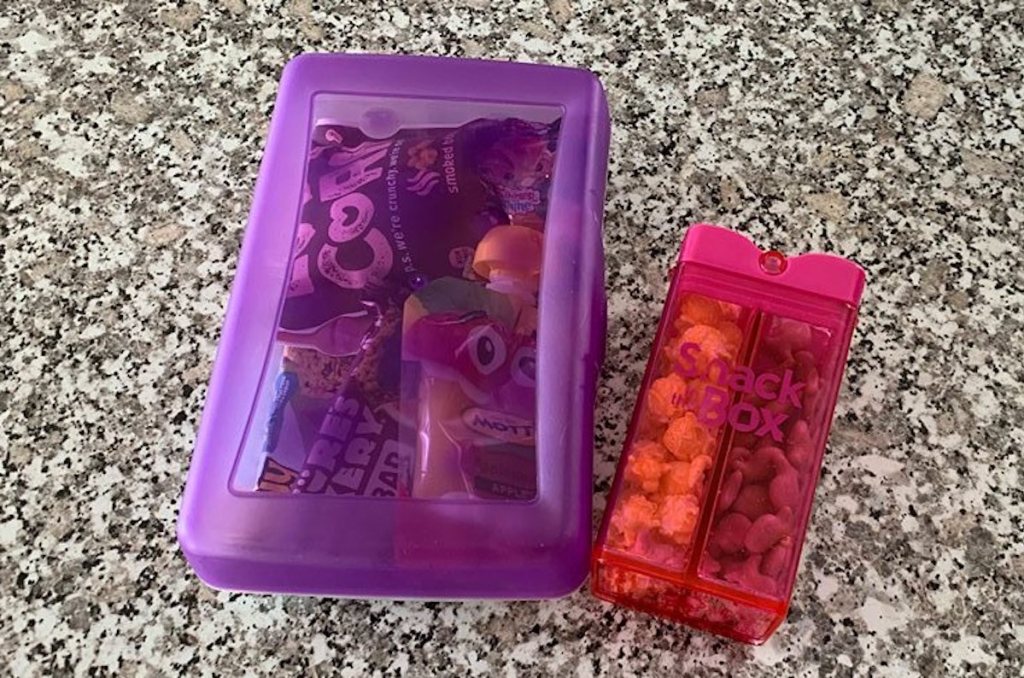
[383, 217]
[380, 219]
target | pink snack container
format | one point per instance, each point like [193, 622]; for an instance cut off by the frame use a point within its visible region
[713, 493]
[401, 405]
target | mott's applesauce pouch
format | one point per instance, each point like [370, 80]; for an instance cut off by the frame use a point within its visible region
[384, 221]
[713, 493]
[475, 363]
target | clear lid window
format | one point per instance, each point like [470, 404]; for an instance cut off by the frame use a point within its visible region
[405, 356]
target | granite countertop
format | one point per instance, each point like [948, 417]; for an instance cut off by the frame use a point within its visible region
[889, 132]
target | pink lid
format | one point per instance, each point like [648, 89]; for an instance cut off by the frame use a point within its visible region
[825, 274]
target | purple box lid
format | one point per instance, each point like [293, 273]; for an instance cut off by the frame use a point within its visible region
[401, 405]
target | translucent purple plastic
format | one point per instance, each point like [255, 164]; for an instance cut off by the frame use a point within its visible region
[398, 408]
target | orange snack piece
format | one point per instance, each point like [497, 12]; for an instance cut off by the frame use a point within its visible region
[682, 477]
[698, 310]
[649, 428]
[694, 393]
[666, 396]
[712, 343]
[645, 464]
[667, 466]
[671, 350]
[698, 468]
[676, 479]
[733, 335]
[686, 438]
[633, 515]
[677, 517]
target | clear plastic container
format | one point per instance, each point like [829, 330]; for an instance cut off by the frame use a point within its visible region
[421, 278]
[710, 505]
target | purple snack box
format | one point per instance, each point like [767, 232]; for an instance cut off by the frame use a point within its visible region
[411, 190]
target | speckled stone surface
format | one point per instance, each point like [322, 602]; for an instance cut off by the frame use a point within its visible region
[890, 132]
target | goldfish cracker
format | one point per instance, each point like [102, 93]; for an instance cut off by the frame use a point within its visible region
[784, 490]
[791, 334]
[776, 559]
[768, 530]
[752, 501]
[666, 397]
[799, 446]
[751, 577]
[646, 465]
[686, 438]
[745, 440]
[677, 517]
[730, 490]
[806, 372]
[634, 514]
[731, 533]
[763, 464]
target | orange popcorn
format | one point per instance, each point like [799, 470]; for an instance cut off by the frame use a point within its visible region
[649, 428]
[687, 438]
[733, 335]
[677, 517]
[730, 312]
[681, 477]
[698, 310]
[645, 464]
[698, 467]
[671, 350]
[695, 393]
[668, 465]
[633, 515]
[676, 479]
[666, 396]
[711, 343]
